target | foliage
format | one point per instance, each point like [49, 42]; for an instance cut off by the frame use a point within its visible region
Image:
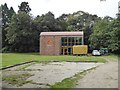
[6, 18]
[46, 22]
[105, 35]
[20, 35]
[62, 22]
[100, 35]
[115, 36]
[5, 11]
[10, 13]
[24, 7]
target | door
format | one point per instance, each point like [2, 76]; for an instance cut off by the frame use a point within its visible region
[66, 51]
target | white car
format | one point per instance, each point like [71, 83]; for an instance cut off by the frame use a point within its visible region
[96, 53]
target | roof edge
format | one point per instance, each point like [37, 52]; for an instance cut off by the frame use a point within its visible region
[61, 33]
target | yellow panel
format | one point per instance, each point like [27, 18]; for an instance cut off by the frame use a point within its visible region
[80, 49]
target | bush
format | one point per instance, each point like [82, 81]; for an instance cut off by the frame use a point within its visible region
[5, 50]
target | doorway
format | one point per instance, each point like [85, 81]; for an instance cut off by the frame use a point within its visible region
[66, 51]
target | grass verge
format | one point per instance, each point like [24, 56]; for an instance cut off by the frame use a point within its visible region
[18, 80]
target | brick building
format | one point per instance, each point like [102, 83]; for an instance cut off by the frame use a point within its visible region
[59, 43]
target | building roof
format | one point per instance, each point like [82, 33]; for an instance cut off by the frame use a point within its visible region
[78, 33]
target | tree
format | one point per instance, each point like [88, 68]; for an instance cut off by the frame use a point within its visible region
[10, 13]
[100, 36]
[61, 21]
[47, 22]
[5, 12]
[114, 41]
[20, 35]
[6, 18]
[24, 7]
[105, 35]
[0, 28]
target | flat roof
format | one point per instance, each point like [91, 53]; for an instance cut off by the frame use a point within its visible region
[77, 33]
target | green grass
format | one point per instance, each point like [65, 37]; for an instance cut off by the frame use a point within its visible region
[15, 58]
[66, 83]
[111, 57]
[18, 80]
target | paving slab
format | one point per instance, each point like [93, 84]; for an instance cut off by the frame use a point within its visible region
[57, 71]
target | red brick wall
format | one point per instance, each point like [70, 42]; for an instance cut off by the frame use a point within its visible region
[57, 45]
[50, 45]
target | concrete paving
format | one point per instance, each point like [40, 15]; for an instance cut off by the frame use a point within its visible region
[57, 71]
[50, 73]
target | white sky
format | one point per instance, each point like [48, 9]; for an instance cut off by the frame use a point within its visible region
[58, 7]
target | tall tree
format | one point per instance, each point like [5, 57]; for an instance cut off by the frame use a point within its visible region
[5, 11]
[24, 7]
[10, 13]
[5, 20]
[114, 42]
[105, 35]
[20, 35]
[47, 22]
[0, 27]
[62, 22]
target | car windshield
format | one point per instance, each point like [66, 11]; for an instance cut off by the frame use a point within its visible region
[95, 50]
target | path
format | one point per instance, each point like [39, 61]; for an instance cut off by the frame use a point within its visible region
[104, 76]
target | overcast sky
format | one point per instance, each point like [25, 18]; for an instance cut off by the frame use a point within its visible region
[58, 7]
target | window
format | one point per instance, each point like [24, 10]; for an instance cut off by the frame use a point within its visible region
[70, 41]
[64, 41]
